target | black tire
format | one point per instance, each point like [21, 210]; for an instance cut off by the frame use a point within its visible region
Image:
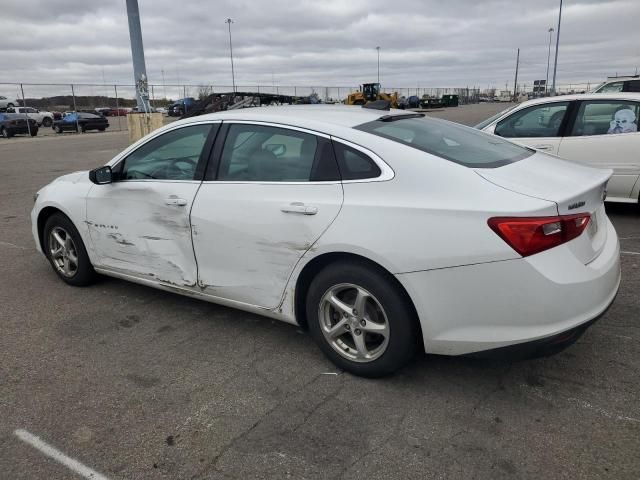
[10, 105]
[57, 129]
[5, 133]
[403, 331]
[83, 129]
[34, 132]
[46, 122]
[84, 274]
[101, 129]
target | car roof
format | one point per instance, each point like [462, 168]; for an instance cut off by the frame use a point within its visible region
[306, 116]
[584, 96]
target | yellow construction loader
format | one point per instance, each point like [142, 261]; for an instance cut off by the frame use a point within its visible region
[370, 92]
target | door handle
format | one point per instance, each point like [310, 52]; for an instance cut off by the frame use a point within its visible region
[300, 208]
[543, 147]
[180, 202]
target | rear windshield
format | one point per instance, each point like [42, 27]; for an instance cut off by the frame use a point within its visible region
[459, 144]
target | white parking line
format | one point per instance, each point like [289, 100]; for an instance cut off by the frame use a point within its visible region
[58, 456]
[629, 253]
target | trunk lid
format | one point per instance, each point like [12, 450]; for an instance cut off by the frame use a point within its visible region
[574, 188]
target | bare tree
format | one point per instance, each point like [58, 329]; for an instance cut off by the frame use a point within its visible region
[204, 91]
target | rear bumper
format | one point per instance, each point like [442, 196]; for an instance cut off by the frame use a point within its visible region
[539, 348]
[489, 306]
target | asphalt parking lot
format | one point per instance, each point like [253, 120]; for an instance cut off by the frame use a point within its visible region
[137, 383]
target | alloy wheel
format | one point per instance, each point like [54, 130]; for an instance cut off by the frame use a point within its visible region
[63, 252]
[354, 323]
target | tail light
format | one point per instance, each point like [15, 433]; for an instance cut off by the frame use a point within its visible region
[529, 235]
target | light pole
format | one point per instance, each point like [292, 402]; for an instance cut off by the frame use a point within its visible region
[378, 49]
[546, 83]
[229, 21]
[555, 63]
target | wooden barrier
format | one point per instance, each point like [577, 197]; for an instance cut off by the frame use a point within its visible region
[141, 124]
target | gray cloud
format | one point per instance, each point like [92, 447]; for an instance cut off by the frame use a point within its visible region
[423, 42]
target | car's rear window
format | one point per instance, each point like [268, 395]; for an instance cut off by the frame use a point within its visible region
[463, 145]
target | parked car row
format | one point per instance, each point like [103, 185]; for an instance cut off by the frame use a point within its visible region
[12, 124]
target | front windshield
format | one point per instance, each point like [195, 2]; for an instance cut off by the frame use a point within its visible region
[489, 120]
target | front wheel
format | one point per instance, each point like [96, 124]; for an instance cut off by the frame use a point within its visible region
[361, 319]
[57, 129]
[5, 133]
[46, 122]
[34, 132]
[66, 252]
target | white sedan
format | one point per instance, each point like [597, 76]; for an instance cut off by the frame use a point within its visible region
[599, 130]
[381, 232]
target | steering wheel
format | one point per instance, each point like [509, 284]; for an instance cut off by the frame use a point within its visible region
[175, 171]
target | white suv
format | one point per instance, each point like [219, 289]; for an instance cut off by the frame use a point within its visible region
[43, 118]
[6, 102]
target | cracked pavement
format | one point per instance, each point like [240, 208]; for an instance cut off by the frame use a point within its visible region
[138, 383]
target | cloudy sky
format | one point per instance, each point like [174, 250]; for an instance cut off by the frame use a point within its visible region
[424, 43]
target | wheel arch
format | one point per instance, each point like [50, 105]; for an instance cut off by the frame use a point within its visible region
[316, 264]
[44, 215]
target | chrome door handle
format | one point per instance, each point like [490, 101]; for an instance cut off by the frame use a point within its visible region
[180, 202]
[543, 147]
[300, 208]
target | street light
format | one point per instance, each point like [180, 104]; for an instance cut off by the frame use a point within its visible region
[555, 63]
[378, 49]
[546, 83]
[229, 21]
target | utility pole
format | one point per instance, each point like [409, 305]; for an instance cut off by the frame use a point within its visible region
[137, 54]
[378, 49]
[229, 21]
[515, 82]
[555, 63]
[546, 83]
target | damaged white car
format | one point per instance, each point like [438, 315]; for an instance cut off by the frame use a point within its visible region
[382, 232]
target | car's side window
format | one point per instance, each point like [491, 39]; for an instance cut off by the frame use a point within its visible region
[261, 153]
[537, 121]
[606, 117]
[354, 164]
[171, 156]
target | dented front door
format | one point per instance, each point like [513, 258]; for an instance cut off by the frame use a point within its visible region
[139, 224]
[142, 228]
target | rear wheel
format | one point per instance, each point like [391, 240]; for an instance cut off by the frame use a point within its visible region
[361, 319]
[46, 122]
[66, 252]
[6, 133]
[34, 132]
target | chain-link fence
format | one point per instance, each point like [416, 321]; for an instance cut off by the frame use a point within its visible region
[115, 101]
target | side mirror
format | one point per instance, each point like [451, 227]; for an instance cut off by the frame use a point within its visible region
[101, 175]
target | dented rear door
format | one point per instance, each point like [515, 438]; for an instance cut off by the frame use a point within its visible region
[272, 197]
